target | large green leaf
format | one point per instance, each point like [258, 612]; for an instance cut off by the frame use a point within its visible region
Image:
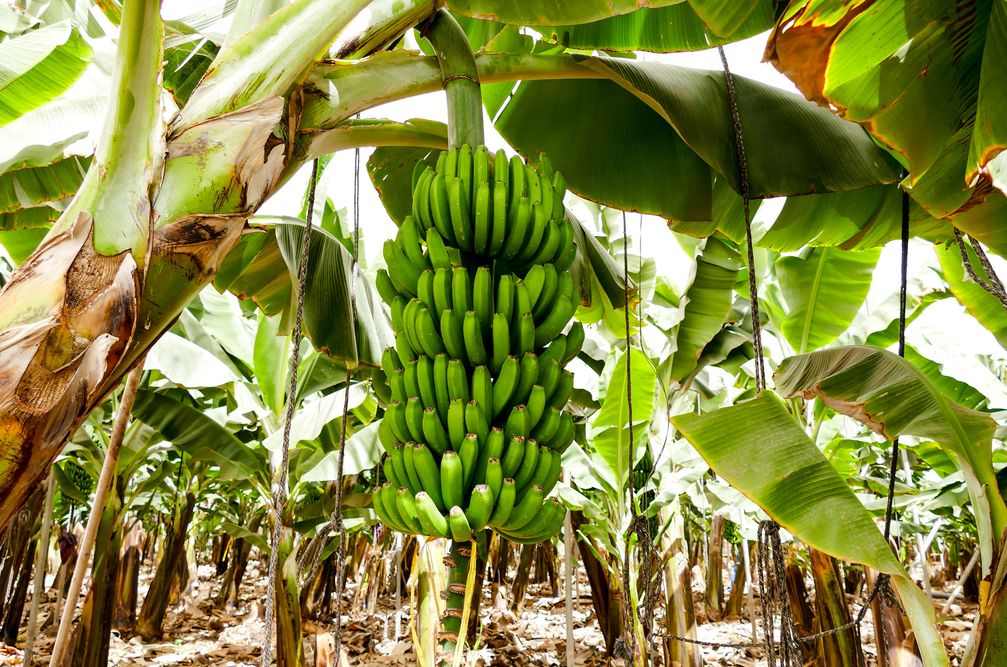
[363, 452]
[921, 77]
[687, 26]
[38, 66]
[192, 431]
[823, 288]
[892, 397]
[548, 12]
[706, 304]
[262, 265]
[979, 303]
[611, 429]
[270, 358]
[857, 220]
[677, 130]
[762, 452]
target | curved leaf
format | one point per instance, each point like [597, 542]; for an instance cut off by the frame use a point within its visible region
[823, 289]
[190, 430]
[610, 429]
[706, 305]
[687, 26]
[979, 303]
[187, 364]
[363, 452]
[548, 12]
[678, 129]
[892, 397]
[38, 66]
[796, 485]
[857, 220]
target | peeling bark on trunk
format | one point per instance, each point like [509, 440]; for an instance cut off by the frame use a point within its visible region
[736, 600]
[841, 648]
[803, 615]
[606, 594]
[715, 569]
[151, 617]
[896, 644]
[126, 580]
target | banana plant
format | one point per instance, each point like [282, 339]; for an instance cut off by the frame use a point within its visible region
[159, 207]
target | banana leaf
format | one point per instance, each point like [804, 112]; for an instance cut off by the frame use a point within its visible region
[761, 451]
[706, 304]
[686, 26]
[979, 303]
[823, 289]
[547, 12]
[611, 431]
[38, 66]
[190, 430]
[892, 397]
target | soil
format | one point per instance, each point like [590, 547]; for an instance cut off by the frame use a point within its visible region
[196, 633]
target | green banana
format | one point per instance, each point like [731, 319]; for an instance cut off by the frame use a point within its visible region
[440, 371]
[552, 476]
[517, 422]
[459, 524]
[482, 200]
[528, 466]
[458, 381]
[379, 509]
[405, 351]
[506, 383]
[466, 170]
[515, 451]
[540, 220]
[482, 391]
[560, 315]
[527, 379]
[480, 166]
[431, 519]
[395, 381]
[421, 202]
[399, 270]
[505, 296]
[525, 510]
[494, 476]
[549, 374]
[574, 342]
[440, 209]
[385, 286]
[504, 503]
[525, 335]
[429, 473]
[425, 289]
[518, 181]
[398, 465]
[475, 421]
[406, 505]
[517, 228]
[499, 230]
[437, 251]
[535, 406]
[425, 381]
[388, 468]
[554, 352]
[522, 301]
[430, 341]
[563, 391]
[461, 290]
[500, 337]
[456, 423]
[388, 501]
[542, 467]
[442, 290]
[548, 521]
[533, 281]
[386, 436]
[482, 297]
[567, 253]
[550, 285]
[395, 414]
[451, 163]
[547, 426]
[415, 484]
[452, 479]
[501, 168]
[475, 348]
[433, 432]
[564, 435]
[549, 246]
[414, 418]
[480, 507]
[458, 205]
[492, 448]
[408, 240]
[534, 185]
[469, 455]
[451, 333]
[559, 191]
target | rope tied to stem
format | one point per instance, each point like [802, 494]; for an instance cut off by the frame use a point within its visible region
[280, 483]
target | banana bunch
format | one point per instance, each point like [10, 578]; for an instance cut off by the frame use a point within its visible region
[480, 294]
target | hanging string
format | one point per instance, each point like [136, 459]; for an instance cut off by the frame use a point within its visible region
[280, 490]
[753, 288]
[312, 553]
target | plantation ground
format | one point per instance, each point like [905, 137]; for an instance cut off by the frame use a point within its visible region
[198, 634]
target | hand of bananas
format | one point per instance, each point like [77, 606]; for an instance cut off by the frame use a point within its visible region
[480, 292]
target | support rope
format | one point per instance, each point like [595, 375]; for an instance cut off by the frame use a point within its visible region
[280, 490]
[994, 286]
[771, 557]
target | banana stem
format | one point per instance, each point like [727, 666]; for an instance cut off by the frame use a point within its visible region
[460, 78]
[457, 561]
